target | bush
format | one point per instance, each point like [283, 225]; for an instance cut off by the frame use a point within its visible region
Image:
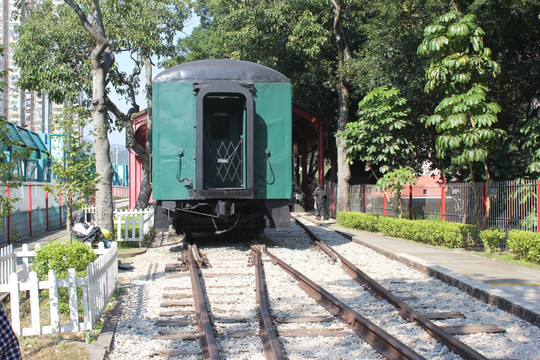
[60, 257]
[358, 221]
[524, 245]
[442, 233]
[492, 239]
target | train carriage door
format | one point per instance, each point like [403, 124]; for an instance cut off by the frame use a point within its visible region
[223, 141]
[224, 125]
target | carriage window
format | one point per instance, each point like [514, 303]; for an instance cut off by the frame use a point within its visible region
[220, 123]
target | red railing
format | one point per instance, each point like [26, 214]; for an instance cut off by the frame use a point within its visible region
[514, 204]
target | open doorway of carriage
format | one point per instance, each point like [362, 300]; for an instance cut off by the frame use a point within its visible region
[309, 143]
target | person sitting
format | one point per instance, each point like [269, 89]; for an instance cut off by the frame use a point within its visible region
[319, 195]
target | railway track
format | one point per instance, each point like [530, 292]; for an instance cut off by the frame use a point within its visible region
[235, 301]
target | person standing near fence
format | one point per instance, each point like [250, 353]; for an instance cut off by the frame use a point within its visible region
[9, 345]
[320, 202]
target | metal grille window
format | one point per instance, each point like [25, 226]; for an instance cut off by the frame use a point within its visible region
[224, 163]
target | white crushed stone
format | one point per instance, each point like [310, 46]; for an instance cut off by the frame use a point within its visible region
[233, 297]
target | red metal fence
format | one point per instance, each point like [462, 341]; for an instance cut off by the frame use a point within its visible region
[514, 204]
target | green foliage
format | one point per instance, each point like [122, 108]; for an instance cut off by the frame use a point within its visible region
[492, 239]
[459, 68]
[452, 235]
[394, 182]
[60, 64]
[458, 57]
[8, 162]
[74, 174]
[524, 245]
[376, 137]
[532, 132]
[358, 221]
[465, 123]
[63, 256]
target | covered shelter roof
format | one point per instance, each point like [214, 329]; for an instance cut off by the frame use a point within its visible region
[22, 136]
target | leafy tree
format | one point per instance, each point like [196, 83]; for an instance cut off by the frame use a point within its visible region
[464, 119]
[392, 31]
[73, 47]
[306, 40]
[74, 175]
[395, 181]
[376, 137]
[9, 157]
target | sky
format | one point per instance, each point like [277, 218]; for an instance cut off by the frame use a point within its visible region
[126, 64]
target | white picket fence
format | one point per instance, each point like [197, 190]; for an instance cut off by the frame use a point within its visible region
[136, 223]
[97, 289]
[8, 263]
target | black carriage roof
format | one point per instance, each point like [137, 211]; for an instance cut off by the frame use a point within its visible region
[221, 69]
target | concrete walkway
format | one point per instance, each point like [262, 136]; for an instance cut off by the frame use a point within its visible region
[513, 288]
[41, 239]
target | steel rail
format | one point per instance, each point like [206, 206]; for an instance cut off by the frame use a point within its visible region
[271, 345]
[380, 340]
[206, 333]
[405, 311]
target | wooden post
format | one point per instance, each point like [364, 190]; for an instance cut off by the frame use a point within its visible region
[53, 299]
[14, 297]
[73, 309]
[385, 202]
[34, 303]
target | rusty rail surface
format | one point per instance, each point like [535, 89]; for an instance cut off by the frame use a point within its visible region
[380, 340]
[206, 334]
[405, 311]
[271, 345]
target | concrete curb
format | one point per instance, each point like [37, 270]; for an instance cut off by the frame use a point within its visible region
[100, 349]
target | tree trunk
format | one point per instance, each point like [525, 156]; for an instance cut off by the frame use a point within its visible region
[344, 53]
[102, 60]
[104, 198]
[146, 183]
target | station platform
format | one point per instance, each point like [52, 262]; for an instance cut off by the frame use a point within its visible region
[513, 288]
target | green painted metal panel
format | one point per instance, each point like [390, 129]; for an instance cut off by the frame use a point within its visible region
[273, 133]
[173, 134]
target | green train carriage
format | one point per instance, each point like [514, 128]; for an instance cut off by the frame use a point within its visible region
[222, 147]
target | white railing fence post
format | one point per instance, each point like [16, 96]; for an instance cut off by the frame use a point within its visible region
[14, 297]
[33, 283]
[53, 299]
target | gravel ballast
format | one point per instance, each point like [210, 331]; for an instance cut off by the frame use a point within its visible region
[231, 292]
